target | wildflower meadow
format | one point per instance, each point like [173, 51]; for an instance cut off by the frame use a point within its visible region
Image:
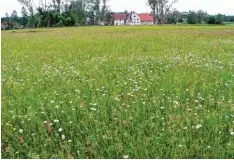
[118, 92]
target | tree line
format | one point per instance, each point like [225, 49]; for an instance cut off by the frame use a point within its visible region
[163, 13]
[199, 17]
[58, 13]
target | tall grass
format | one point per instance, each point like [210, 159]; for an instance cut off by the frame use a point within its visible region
[118, 92]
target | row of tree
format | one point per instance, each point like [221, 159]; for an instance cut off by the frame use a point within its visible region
[199, 17]
[202, 17]
[162, 12]
[52, 13]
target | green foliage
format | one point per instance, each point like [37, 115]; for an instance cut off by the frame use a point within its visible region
[218, 19]
[60, 23]
[192, 17]
[78, 12]
[69, 21]
[211, 20]
[201, 16]
[174, 17]
[48, 15]
[229, 18]
[24, 19]
[31, 22]
[109, 19]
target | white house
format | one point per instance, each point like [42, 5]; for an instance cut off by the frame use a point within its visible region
[133, 19]
[120, 19]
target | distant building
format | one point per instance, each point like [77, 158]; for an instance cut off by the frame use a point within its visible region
[146, 19]
[120, 19]
[88, 21]
[133, 19]
[4, 26]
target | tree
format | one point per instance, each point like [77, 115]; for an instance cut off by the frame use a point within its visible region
[30, 5]
[160, 9]
[201, 16]
[211, 19]
[14, 19]
[153, 5]
[229, 18]
[173, 17]
[7, 19]
[192, 17]
[93, 13]
[77, 9]
[219, 19]
[184, 16]
[176, 16]
[24, 16]
[109, 18]
[57, 5]
[126, 12]
[96, 9]
[104, 11]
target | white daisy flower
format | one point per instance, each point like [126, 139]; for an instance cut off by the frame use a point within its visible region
[56, 121]
[93, 109]
[126, 156]
[63, 137]
[21, 131]
[198, 126]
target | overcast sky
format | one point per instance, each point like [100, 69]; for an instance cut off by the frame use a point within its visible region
[211, 6]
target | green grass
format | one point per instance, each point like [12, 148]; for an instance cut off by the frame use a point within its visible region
[229, 24]
[137, 92]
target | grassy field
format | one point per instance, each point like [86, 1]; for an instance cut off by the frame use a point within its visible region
[118, 92]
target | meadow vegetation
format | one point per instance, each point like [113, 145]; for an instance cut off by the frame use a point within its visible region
[118, 92]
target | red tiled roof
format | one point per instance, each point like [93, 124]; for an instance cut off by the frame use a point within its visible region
[146, 17]
[120, 16]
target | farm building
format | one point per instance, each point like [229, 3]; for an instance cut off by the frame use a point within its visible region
[4, 26]
[146, 19]
[133, 19]
[120, 19]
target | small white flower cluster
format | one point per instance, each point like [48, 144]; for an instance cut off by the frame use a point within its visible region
[63, 137]
[93, 109]
[56, 121]
[126, 156]
[197, 126]
[21, 131]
